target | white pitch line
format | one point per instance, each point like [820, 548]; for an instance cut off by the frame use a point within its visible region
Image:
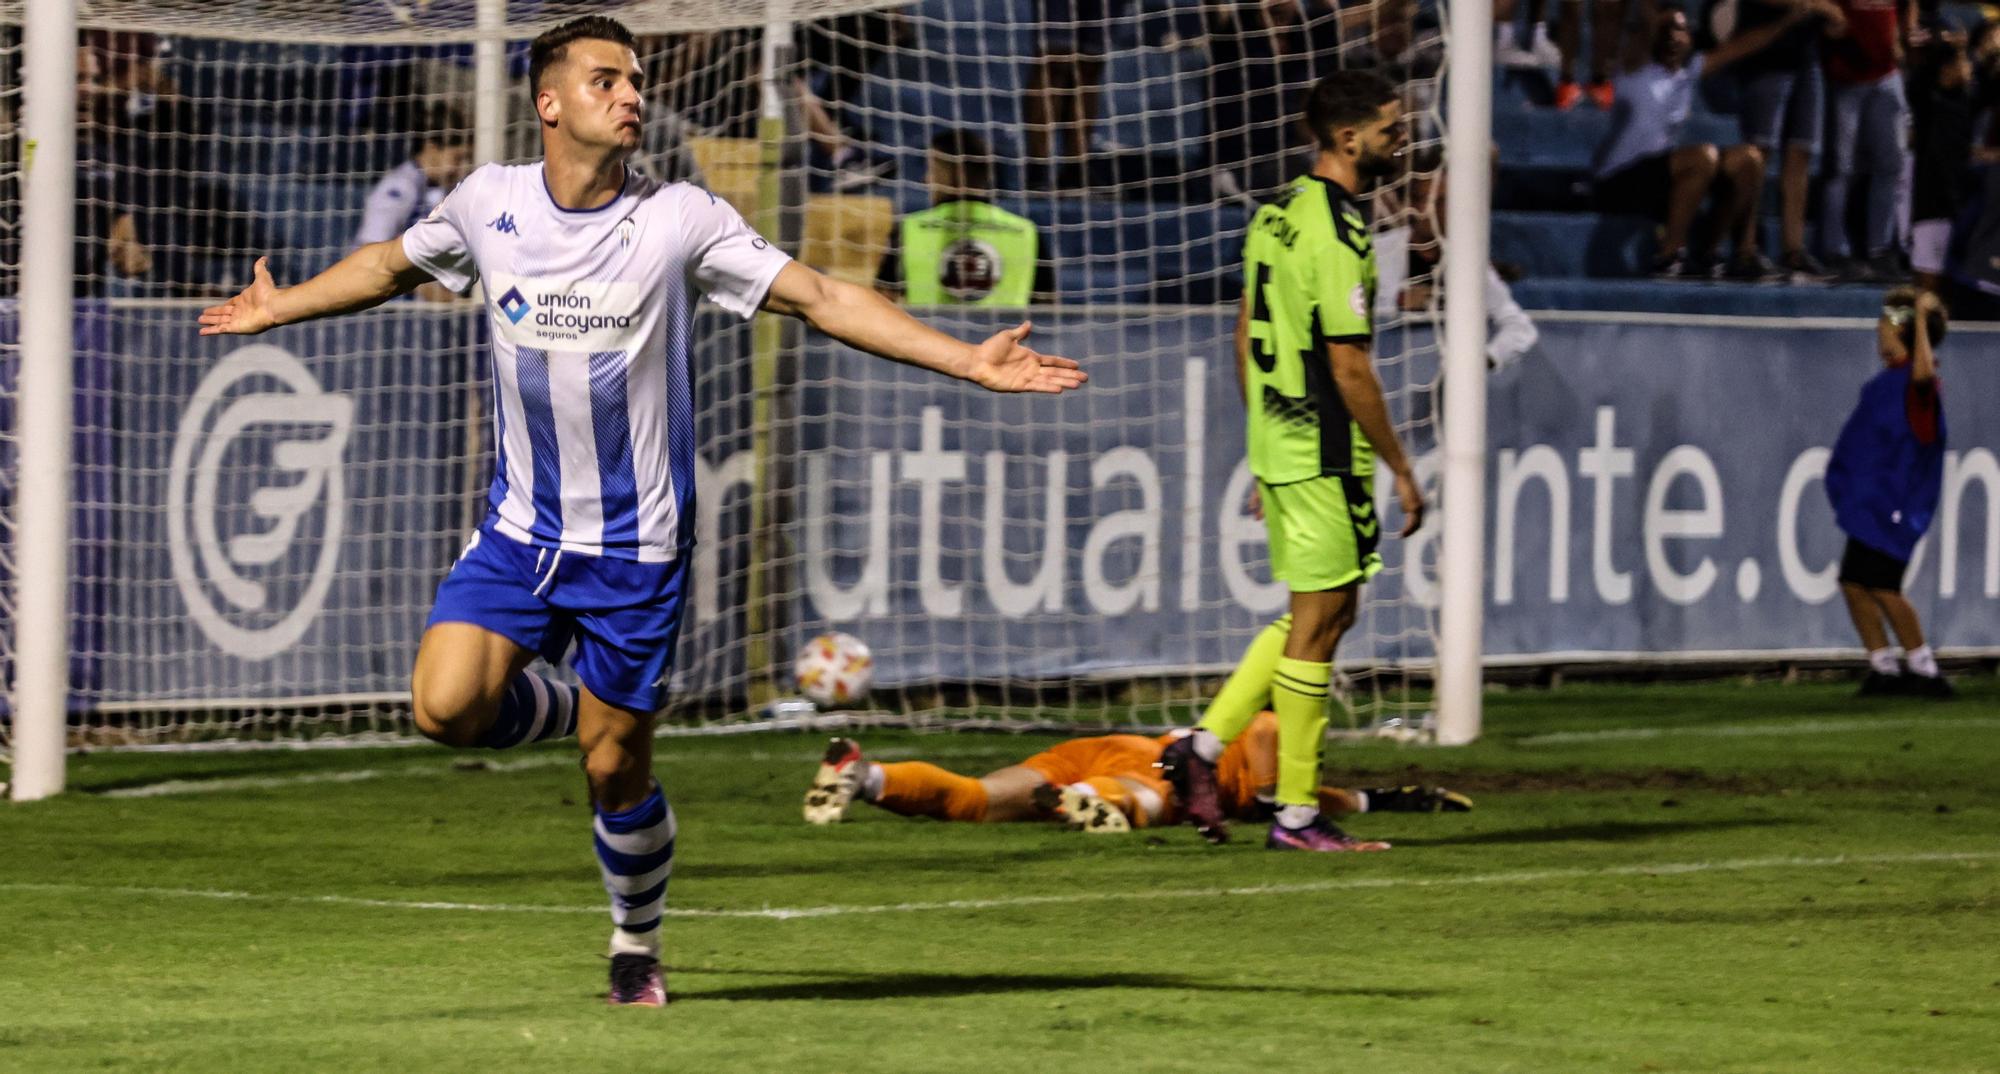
[1796, 727]
[804, 756]
[778, 913]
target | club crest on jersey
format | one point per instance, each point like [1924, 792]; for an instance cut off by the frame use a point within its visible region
[514, 306]
[504, 224]
[625, 232]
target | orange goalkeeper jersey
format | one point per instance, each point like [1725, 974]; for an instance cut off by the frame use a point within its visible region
[1249, 766]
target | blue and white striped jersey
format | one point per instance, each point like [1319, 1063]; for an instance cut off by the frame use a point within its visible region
[592, 316]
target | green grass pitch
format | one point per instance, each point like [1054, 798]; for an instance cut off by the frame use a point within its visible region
[1710, 878]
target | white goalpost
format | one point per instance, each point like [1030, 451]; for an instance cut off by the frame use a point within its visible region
[40, 546]
[1468, 145]
[210, 541]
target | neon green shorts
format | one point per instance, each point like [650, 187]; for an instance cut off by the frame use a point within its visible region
[1324, 532]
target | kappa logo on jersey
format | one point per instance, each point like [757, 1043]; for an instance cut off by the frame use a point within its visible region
[514, 306]
[504, 224]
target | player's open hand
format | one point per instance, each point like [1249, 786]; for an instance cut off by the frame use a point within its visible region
[1004, 364]
[249, 312]
[1412, 500]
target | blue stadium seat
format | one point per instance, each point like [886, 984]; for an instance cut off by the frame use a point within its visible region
[1558, 245]
[1730, 299]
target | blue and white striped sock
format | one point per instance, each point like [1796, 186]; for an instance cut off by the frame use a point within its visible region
[534, 709]
[635, 848]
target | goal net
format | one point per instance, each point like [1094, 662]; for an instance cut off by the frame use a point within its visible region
[259, 524]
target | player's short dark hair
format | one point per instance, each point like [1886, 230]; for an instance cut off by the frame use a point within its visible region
[1906, 298]
[443, 126]
[970, 152]
[548, 49]
[1345, 99]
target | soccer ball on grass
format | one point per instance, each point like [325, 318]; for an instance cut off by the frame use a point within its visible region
[835, 669]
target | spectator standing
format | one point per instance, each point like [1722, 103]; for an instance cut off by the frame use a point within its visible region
[964, 249]
[409, 191]
[153, 155]
[837, 57]
[109, 251]
[708, 77]
[1263, 54]
[1945, 113]
[1870, 130]
[1408, 257]
[1784, 115]
[1641, 167]
[1513, 50]
[413, 188]
[1609, 22]
[1065, 86]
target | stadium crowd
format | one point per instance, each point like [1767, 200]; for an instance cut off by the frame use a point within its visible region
[1887, 106]
[1862, 148]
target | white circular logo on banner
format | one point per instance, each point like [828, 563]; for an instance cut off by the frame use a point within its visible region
[306, 453]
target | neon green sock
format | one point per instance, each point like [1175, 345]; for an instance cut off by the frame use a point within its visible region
[1298, 694]
[1248, 691]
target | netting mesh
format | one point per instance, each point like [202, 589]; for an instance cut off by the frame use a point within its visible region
[261, 523]
[405, 22]
[10, 282]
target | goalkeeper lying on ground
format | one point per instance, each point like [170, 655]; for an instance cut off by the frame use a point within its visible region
[1108, 783]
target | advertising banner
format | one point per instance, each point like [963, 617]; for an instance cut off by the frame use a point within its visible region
[269, 518]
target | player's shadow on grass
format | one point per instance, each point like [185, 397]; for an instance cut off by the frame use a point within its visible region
[925, 985]
[1610, 831]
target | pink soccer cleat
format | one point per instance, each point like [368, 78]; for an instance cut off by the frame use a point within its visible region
[636, 981]
[1321, 836]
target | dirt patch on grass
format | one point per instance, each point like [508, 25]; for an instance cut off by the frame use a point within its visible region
[1495, 781]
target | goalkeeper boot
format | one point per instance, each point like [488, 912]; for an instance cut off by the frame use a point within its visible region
[837, 782]
[636, 981]
[1321, 836]
[1414, 799]
[1880, 684]
[1933, 687]
[1085, 811]
[1193, 780]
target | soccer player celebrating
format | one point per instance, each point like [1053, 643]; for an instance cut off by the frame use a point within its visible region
[1884, 479]
[591, 272]
[1317, 425]
[1101, 784]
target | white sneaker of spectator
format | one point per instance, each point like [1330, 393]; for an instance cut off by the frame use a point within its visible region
[852, 170]
[1227, 188]
[1541, 53]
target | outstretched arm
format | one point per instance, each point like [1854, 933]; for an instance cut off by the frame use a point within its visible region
[860, 318]
[367, 277]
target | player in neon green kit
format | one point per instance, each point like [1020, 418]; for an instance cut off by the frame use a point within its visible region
[1318, 427]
